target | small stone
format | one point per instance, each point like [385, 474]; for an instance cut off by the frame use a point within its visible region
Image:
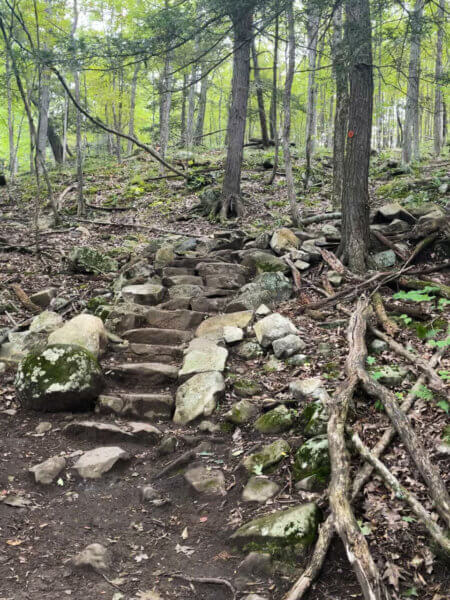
[93, 463]
[255, 597]
[443, 188]
[301, 265]
[266, 457]
[297, 360]
[167, 446]
[312, 459]
[334, 278]
[206, 356]
[213, 328]
[83, 330]
[391, 376]
[208, 481]
[262, 311]
[324, 349]
[164, 255]
[46, 471]
[241, 412]
[276, 420]
[315, 419]
[259, 489]
[198, 396]
[288, 345]
[377, 346]
[273, 365]
[94, 556]
[384, 260]
[267, 288]
[273, 327]
[147, 294]
[331, 232]
[43, 427]
[46, 322]
[256, 563]
[249, 350]
[2, 367]
[208, 426]
[148, 492]
[43, 297]
[245, 388]
[312, 387]
[232, 334]
[282, 240]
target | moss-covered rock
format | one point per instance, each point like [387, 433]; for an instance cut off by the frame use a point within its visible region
[259, 261]
[164, 255]
[294, 530]
[312, 459]
[249, 350]
[241, 412]
[275, 421]
[84, 259]
[267, 288]
[267, 457]
[315, 419]
[245, 388]
[60, 378]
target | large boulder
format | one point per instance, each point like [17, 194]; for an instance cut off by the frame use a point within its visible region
[283, 240]
[198, 396]
[61, 378]
[294, 529]
[46, 322]
[267, 288]
[83, 259]
[84, 330]
[213, 328]
[273, 327]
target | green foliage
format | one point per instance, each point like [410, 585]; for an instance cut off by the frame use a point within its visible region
[417, 295]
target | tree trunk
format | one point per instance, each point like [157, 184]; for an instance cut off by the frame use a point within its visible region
[55, 142]
[65, 123]
[133, 105]
[201, 107]
[12, 152]
[260, 98]
[287, 115]
[81, 208]
[411, 125]
[355, 196]
[311, 110]
[183, 111]
[164, 107]
[191, 108]
[43, 106]
[341, 112]
[438, 73]
[242, 30]
[273, 98]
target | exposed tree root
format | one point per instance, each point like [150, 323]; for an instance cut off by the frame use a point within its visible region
[386, 242]
[24, 299]
[387, 324]
[401, 492]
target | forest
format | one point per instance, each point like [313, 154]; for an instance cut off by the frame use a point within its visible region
[224, 292]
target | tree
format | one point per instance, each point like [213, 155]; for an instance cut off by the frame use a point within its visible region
[355, 193]
[438, 134]
[312, 25]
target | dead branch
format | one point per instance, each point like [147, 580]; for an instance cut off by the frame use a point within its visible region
[421, 246]
[212, 580]
[110, 208]
[24, 299]
[63, 194]
[388, 325]
[139, 226]
[320, 218]
[295, 273]
[402, 493]
[386, 242]
[402, 308]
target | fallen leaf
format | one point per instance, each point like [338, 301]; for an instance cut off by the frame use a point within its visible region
[184, 549]
[14, 542]
[185, 533]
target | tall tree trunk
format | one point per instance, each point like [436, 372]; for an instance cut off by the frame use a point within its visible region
[43, 106]
[183, 111]
[12, 153]
[260, 98]
[201, 107]
[438, 73]
[81, 209]
[65, 123]
[273, 98]
[340, 71]
[355, 196]
[242, 30]
[191, 108]
[164, 107]
[55, 142]
[287, 114]
[411, 125]
[133, 105]
[311, 110]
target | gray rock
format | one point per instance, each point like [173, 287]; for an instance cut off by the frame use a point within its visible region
[283, 240]
[258, 261]
[443, 188]
[154, 373]
[185, 291]
[148, 294]
[148, 492]
[46, 322]
[301, 265]
[331, 232]
[214, 327]
[89, 260]
[267, 288]
[95, 556]
[43, 427]
[312, 460]
[266, 457]
[164, 255]
[384, 260]
[259, 489]
[208, 426]
[198, 396]
[46, 471]
[44, 297]
[207, 481]
[168, 445]
[93, 463]
[296, 526]
[391, 376]
[246, 388]
[144, 406]
[272, 328]
[256, 563]
[61, 378]
[377, 346]
[241, 412]
[262, 311]
[311, 387]
[84, 330]
[206, 356]
[391, 211]
[94, 430]
[249, 350]
[315, 419]
[277, 420]
[297, 360]
[273, 365]
[334, 278]
[231, 334]
[287, 346]
[309, 246]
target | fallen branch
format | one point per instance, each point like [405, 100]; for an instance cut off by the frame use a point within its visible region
[320, 218]
[212, 580]
[421, 246]
[388, 325]
[24, 299]
[402, 493]
[110, 208]
[386, 242]
[63, 194]
[295, 273]
[402, 308]
[419, 284]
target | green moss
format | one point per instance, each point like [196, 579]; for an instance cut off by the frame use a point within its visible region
[268, 456]
[275, 421]
[315, 419]
[246, 388]
[94, 302]
[89, 260]
[312, 458]
[399, 188]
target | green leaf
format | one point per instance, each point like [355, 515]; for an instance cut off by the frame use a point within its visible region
[412, 591]
[364, 528]
[444, 405]
[409, 519]
[445, 375]
[258, 469]
[370, 360]
[424, 393]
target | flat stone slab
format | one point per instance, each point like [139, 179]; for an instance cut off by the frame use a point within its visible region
[209, 305]
[148, 294]
[207, 481]
[259, 489]
[213, 328]
[268, 455]
[198, 396]
[174, 319]
[162, 354]
[92, 464]
[211, 269]
[185, 291]
[206, 356]
[94, 430]
[150, 371]
[144, 406]
[45, 472]
[163, 337]
[182, 280]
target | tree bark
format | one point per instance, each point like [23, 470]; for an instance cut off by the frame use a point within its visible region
[12, 151]
[43, 106]
[191, 108]
[201, 107]
[438, 73]
[341, 111]
[411, 125]
[55, 142]
[273, 97]
[133, 105]
[81, 208]
[242, 29]
[311, 110]
[355, 194]
[164, 106]
[260, 98]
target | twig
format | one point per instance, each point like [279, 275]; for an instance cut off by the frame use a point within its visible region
[211, 580]
[24, 299]
[388, 325]
[384, 240]
[320, 218]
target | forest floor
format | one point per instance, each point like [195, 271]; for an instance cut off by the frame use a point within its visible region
[189, 534]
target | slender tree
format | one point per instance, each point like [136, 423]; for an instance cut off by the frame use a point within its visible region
[438, 133]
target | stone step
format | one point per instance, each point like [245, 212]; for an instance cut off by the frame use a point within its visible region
[209, 305]
[109, 432]
[182, 303]
[190, 262]
[174, 319]
[162, 354]
[152, 372]
[209, 269]
[148, 294]
[182, 280]
[158, 337]
[143, 406]
[174, 271]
